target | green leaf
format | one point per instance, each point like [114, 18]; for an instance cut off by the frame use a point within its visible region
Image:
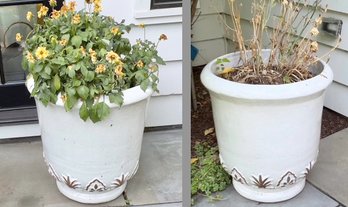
[71, 73]
[38, 68]
[59, 61]
[48, 70]
[70, 102]
[102, 52]
[144, 84]
[89, 76]
[160, 60]
[225, 60]
[84, 36]
[25, 63]
[83, 92]
[103, 110]
[64, 29]
[66, 37]
[84, 112]
[76, 83]
[56, 82]
[116, 99]
[71, 91]
[76, 41]
[93, 115]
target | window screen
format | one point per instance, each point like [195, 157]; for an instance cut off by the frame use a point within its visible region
[162, 4]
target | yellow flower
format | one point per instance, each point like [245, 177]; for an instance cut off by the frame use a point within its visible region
[76, 19]
[64, 9]
[18, 37]
[142, 25]
[163, 37]
[112, 57]
[42, 12]
[314, 46]
[83, 50]
[41, 53]
[100, 68]
[115, 30]
[63, 97]
[72, 6]
[118, 70]
[314, 31]
[53, 3]
[30, 57]
[29, 15]
[55, 14]
[153, 67]
[93, 55]
[97, 8]
[140, 64]
[63, 42]
[97, 1]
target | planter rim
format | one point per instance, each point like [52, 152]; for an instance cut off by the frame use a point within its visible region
[130, 96]
[229, 88]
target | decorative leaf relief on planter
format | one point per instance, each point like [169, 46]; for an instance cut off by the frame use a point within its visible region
[237, 176]
[223, 164]
[71, 183]
[288, 179]
[52, 172]
[119, 181]
[95, 185]
[131, 175]
[309, 168]
[261, 182]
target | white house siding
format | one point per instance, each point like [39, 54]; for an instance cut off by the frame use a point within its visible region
[208, 32]
[337, 94]
[165, 107]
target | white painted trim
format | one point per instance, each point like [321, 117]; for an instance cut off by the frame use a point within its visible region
[18, 131]
[142, 12]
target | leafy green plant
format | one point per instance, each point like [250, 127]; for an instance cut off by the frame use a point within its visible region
[83, 56]
[207, 174]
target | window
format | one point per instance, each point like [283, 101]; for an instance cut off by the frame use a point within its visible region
[162, 4]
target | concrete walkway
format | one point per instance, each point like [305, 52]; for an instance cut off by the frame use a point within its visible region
[327, 184]
[25, 181]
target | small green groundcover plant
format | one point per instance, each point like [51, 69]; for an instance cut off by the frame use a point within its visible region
[207, 174]
[82, 55]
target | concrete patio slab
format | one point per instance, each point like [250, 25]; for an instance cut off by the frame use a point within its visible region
[160, 170]
[25, 181]
[179, 204]
[309, 197]
[330, 173]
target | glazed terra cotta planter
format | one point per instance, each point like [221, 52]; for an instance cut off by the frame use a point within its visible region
[268, 135]
[92, 162]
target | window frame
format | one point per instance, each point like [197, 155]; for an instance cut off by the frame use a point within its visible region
[165, 4]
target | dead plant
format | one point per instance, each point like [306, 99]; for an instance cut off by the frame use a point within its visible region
[293, 48]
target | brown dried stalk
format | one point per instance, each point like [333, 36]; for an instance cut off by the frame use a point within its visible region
[291, 52]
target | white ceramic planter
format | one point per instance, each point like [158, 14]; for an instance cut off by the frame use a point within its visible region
[92, 162]
[268, 135]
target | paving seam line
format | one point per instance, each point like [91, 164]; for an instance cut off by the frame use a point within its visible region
[339, 203]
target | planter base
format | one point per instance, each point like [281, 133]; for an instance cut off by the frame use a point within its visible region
[90, 197]
[269, 195]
